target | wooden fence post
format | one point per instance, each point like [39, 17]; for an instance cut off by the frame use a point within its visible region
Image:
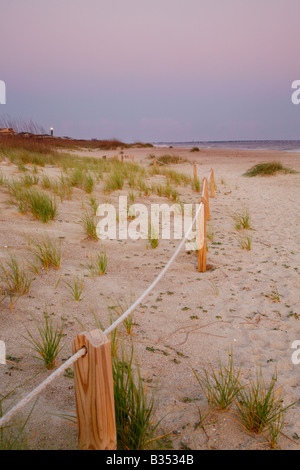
[206, 195]
[122, 158]
[94, 391]
[202, 237]
[212, 183]
[195, 171]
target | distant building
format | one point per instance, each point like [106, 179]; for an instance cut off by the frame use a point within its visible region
[7, 131]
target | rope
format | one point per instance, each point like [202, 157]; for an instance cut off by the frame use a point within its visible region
[41, 387]
[162, 163]
[158, 278]
[4, 420]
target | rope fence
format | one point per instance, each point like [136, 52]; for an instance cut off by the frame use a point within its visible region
[92, 355]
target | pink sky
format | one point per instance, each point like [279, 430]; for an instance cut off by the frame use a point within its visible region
[153, 70]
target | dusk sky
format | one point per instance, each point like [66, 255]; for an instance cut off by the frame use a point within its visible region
[153, 70]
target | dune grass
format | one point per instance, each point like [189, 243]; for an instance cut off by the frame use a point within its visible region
[40, 204]
[76, 288]
[242, 219]
[97, 265]
[47, 344]
[220, 386]
[260, 406]
[170, 160]
[89, 227]
[15, 280]
[46, 251]
[133, 406]
[268, 169]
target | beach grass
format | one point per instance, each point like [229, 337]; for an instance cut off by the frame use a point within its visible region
[46, 251]
[267, 169]
[15, 280]
[88, 224]
[133, 406]
[220, 385]
[260, 405]
[47, 344]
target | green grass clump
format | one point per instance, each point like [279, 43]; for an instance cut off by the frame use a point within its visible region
[114, 182]
[153, 237]
[97, 266]
[242, 220]
[29, 180]
[267, 169]
[48, 343]
[260, 406]
[88, 184]
[133, 407]
[12, 436]
[46, 251]
[245, 243]
[40, 204]
[89, 226]
[220, 386]
[170, 160]
[15, 281]
[76, 288]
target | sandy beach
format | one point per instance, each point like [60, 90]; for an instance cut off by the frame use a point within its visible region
[191, 319]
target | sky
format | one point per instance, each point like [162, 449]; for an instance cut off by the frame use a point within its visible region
[153, 70]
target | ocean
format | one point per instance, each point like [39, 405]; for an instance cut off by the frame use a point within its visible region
[282, 145]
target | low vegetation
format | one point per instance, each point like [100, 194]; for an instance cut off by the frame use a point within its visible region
[267, 169]
[47, 343]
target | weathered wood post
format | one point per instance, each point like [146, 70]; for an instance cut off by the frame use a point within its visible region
[212, 183]
[195, 170]
[201, 236]
[122, 158]
[206, 195]
[94, 392]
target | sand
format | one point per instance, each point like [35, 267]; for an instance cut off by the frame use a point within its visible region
[189, 320]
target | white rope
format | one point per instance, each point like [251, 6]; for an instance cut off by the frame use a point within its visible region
[158, 278]
[162, 163]
[4, 420]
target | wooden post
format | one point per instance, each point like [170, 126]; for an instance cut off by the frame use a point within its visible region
[155, 163]
[212, 183]
[122, 158]
[94, 391]
[195, 171]
[206, 195]
[202, 237]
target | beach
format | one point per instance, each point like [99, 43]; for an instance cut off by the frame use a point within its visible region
[246, 304]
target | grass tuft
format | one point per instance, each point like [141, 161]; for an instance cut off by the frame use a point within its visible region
[46, 251]
[47, 344]
[15, 281]
[222, 386]
[267, 169]
[260, 406]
